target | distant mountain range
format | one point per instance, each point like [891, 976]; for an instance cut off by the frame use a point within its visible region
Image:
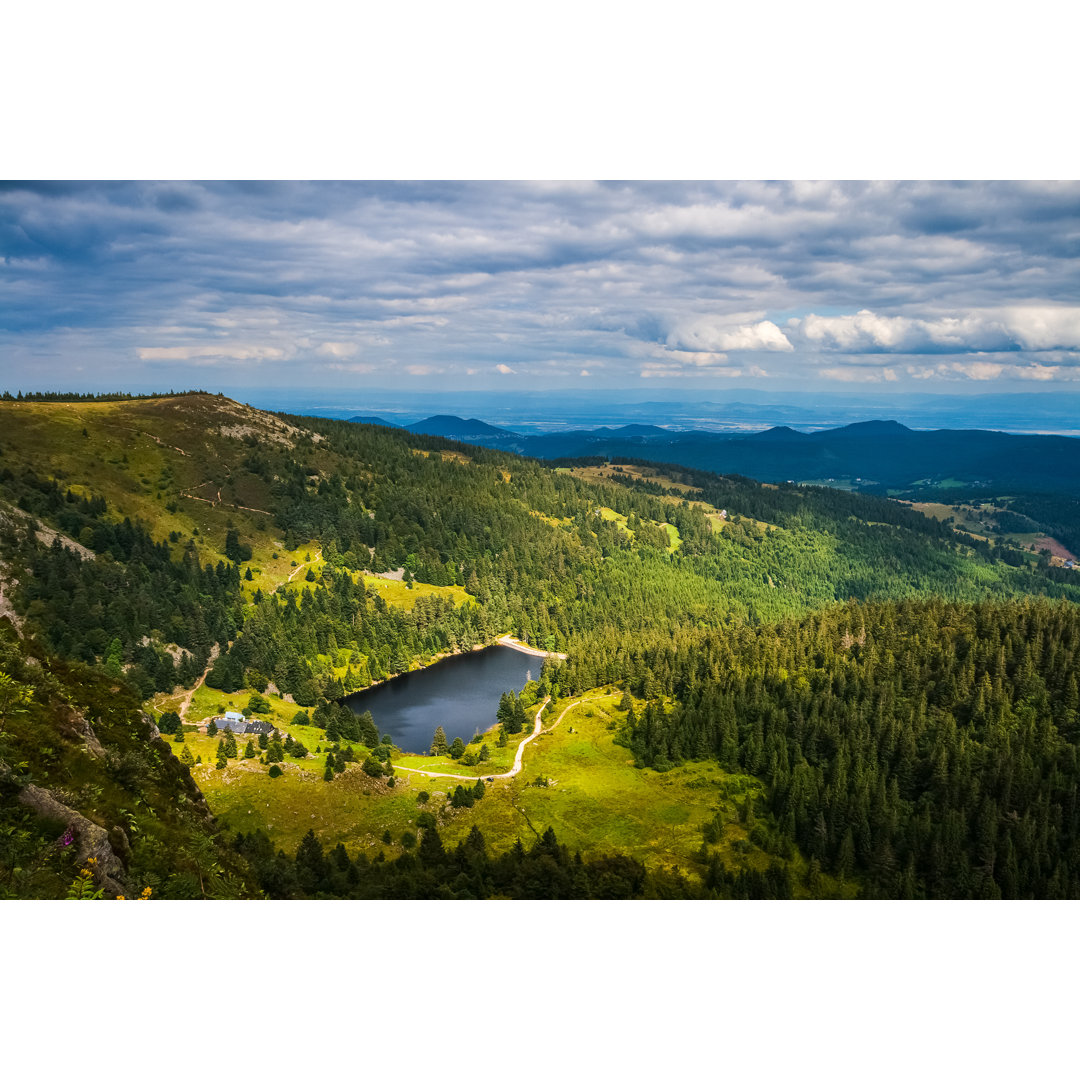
[871, 454]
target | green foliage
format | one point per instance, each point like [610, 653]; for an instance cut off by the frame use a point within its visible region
[438, 743]
[932, 749]
[169, 723]
[546, 871]
[84, 886]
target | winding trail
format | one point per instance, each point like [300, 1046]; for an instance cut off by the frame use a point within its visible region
[182, 711]
[516, 767]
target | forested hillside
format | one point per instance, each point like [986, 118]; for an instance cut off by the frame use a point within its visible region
[933, 749]
[146, 541]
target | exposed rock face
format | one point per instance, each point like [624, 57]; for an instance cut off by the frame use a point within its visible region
[82, 726]
[92, 841]
[7, 583]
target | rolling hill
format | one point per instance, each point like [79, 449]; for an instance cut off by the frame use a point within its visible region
[876, 454]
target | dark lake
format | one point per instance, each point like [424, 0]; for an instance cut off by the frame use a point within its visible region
[461, 693]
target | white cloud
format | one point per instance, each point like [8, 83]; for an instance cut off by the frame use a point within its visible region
[1035, 327]
[584, 372]
[858, 374]
[717, 334]
[211, 352]
[338, 349]
[504, 369]
[1043, 327]
[354, 368]
[1039, 372]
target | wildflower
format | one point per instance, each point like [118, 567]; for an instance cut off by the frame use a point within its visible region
[67, 838]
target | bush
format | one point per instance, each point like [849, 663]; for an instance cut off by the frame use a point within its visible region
[373, 766]
[275, 771]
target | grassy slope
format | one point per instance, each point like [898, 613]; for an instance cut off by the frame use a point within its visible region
[140, 477]
[596, 801]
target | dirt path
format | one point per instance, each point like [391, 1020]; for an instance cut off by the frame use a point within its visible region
[302, 566]
[516, 767]
[520, 646]
[191, 693]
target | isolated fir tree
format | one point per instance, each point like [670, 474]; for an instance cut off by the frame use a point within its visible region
[186, 758]
[438, 744]
[230, 744]
[211, 728]
[249, 749]
[457, 748]
[222, 757]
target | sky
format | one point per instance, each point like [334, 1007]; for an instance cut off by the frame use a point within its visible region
[428, 286]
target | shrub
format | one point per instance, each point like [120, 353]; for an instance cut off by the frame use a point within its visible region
[274, 772]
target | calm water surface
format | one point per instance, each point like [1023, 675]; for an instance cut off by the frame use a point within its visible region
[461, 693]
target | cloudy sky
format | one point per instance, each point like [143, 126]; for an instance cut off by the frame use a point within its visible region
[421, 286]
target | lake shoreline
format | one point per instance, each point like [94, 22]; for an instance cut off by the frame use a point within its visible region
[459, 691]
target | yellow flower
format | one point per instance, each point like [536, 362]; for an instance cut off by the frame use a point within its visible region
[121, 897]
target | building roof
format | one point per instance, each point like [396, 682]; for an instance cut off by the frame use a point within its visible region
[243, 726]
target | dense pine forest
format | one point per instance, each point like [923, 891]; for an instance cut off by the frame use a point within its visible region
[905, 693]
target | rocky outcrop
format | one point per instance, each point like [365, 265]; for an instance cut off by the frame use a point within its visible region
[86, 732]
[92, 841]
[6, 610]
